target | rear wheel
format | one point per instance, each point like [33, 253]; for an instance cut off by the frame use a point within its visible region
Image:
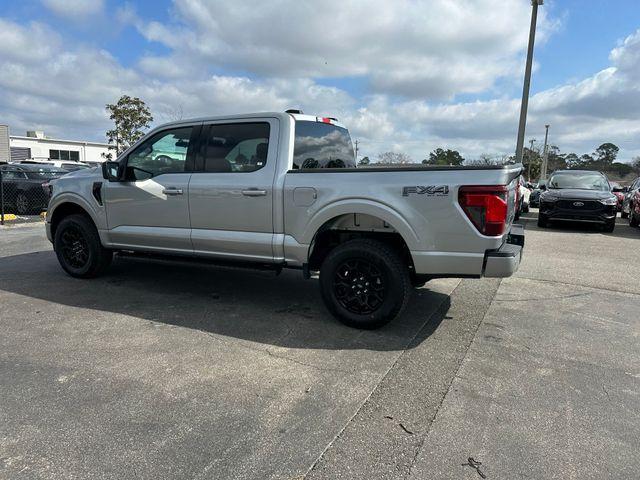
[364, 283]
[78, 247]
[623, 214]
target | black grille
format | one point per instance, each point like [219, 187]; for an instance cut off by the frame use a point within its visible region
[586, 205]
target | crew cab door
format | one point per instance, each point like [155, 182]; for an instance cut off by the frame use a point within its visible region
[231, 191]
[149, 208]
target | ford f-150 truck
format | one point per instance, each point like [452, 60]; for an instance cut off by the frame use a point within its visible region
[281, 190]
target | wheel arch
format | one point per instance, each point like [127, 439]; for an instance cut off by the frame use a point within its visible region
[64, 209]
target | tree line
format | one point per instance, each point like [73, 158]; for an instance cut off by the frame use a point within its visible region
[603, 158]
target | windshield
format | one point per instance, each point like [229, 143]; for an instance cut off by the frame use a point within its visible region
[581, 181]
[322, 145]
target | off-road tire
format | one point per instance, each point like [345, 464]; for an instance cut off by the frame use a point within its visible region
[81, 227]
[392, 272]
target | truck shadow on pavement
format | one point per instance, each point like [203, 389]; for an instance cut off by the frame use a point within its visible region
[284, 311]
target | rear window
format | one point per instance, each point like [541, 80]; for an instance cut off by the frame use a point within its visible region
[322, 145]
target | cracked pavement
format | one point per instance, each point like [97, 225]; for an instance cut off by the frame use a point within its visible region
[171, 370]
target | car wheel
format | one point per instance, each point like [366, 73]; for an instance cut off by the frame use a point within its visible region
[623, 214]
[542, 221]
[633, 220]
[364, 283]
[78, 248]
[610, 226]
[23, 205]
[525, 208]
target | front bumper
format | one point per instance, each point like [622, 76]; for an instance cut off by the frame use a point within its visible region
[599, 214]
[505, 261]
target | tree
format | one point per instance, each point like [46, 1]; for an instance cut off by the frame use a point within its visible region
[555, 160]
[572, 160]
[635, 165]
[130, 116]
[364, 161]
[606, 154]
[392, 158]
[444, 157]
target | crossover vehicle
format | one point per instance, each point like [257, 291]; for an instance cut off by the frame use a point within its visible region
[281, 190]
[23, 184]
[578, 196]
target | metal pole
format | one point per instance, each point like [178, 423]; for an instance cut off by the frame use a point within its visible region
[527, 80]
[543, 170]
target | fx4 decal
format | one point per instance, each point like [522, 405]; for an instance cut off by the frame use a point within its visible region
[429, 190]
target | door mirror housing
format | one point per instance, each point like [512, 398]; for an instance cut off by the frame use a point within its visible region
[111, 171]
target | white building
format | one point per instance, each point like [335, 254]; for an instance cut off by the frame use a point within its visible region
[36, 146]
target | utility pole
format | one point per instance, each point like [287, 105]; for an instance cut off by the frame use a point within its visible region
[545, 154]
[527, 80]
[357, 150]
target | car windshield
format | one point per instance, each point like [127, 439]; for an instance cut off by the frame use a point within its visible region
[581, 181]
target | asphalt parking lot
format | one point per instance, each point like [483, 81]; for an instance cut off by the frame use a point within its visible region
[175, 370]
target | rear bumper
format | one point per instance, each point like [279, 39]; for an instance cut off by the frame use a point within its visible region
[505, 261]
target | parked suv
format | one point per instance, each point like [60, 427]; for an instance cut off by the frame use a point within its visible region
[281, 190]
[578, 196]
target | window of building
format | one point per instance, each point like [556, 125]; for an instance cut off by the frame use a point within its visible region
[72, 155]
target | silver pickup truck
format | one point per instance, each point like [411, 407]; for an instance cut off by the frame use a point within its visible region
[281, 190]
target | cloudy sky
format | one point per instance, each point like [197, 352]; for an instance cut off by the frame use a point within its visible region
[403, 75]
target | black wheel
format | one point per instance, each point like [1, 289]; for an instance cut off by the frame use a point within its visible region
[418, 281]
[23, 205]
[633, 220]
[78, 247]
[364, 283]
[542, 221]
[609, 226]
[525, 208]
[623, 214]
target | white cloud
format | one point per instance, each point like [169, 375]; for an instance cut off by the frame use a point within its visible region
[75, 9]
[62, 89]
[431, 49]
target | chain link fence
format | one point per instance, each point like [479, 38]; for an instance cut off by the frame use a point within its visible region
[24, 190]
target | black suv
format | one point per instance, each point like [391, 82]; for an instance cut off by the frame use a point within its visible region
[578, 196]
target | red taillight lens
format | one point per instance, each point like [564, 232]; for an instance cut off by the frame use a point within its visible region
[486, 207]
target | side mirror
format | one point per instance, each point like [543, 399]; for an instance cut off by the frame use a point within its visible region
[111, 171]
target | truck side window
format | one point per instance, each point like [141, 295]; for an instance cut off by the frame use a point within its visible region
[322, 145]
[165, 152]
[236, 147]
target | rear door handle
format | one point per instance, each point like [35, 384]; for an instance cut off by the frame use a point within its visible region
[172, 191]
[254, 192]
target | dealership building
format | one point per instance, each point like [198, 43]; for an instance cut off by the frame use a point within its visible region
[35, 145]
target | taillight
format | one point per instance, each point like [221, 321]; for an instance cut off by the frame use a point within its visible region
[486, 207]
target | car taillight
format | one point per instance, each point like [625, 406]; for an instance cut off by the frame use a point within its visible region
[486, 207]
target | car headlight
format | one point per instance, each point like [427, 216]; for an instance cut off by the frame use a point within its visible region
[609, 201]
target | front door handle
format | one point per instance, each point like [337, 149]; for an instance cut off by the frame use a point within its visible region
[172, 191]
[254, 192]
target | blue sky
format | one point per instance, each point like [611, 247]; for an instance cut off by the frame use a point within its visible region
[405, 75]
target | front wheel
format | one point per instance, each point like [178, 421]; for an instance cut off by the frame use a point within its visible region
[633, 220]
[542, 221]
[623, 214]
[364, 283]
[610, 226]
[78, 247]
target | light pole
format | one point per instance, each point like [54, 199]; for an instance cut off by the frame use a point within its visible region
[531, 142]
[527, 80]
[545, 154]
